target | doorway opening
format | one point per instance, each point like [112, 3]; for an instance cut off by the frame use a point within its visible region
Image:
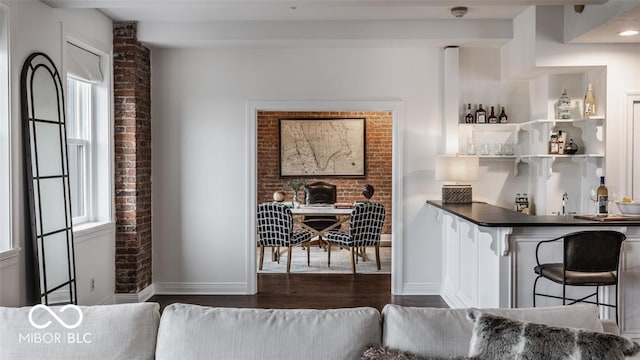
[264, 179]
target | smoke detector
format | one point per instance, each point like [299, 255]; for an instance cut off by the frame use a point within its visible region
[459, 11]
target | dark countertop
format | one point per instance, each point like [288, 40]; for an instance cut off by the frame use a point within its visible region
[484, 214]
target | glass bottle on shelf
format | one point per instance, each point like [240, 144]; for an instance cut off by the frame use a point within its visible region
[469, 117]
[481, 115]
[553, 144]
[502, 118]
[563, 106]
[492, 117]
[560, 140]
[571, 147]
[589, 103]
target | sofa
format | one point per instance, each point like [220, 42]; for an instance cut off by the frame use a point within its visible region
[183, 331]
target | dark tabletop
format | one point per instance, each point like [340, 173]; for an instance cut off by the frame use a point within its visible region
[484, 214]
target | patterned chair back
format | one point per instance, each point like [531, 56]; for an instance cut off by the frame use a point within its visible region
[275, 223]
[365, 224]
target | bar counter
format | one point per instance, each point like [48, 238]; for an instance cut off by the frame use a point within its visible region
[484, 214]
[489, 256]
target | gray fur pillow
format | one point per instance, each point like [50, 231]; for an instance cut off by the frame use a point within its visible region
[375, 352]
[497, 338]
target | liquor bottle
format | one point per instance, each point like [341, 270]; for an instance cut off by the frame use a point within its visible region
[469, 117]
[553, 144]
[502, 117]
[603, 199]
[589, 102]
[563, 106]
[492, 117]
[481, 115]
[560, 141]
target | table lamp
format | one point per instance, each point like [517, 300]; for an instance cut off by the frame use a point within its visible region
[457, 169]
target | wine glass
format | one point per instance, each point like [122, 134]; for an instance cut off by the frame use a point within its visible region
[611, 198]
[593, 196]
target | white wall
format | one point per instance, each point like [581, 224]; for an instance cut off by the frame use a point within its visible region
[36, 27]
[199, 141]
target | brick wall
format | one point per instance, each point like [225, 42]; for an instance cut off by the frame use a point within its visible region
[378, 162]
[132, 105]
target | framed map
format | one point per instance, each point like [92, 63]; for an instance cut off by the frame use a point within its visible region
[322, 147]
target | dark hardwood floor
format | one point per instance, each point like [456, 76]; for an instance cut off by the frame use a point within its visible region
[311, 291]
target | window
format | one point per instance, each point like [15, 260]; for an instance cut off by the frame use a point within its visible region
[79, 144]
[88, 121]
[5, 130]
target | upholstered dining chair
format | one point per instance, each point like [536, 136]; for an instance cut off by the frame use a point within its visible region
[365, 229]
[320, 193]
[590, 258]
[275, 229]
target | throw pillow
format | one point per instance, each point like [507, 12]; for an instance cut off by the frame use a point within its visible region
[375, 352]
[497, 338]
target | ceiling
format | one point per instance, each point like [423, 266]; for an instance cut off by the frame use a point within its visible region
[207, 23]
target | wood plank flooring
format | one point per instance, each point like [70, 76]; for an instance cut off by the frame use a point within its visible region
[311, 291]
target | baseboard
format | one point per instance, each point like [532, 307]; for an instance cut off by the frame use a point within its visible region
[453, 300]
[421, 289]
[173, 288]
[108, 300]
[141, 296]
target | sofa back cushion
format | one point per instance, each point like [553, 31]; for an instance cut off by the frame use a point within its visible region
[196, 332]
[125, 331]
[447, 332]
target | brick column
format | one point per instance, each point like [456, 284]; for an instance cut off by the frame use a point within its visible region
[132, 105]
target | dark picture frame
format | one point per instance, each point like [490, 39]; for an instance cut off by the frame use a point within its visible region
[319, 147]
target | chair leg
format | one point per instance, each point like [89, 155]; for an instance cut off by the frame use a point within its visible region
[378, 256]
[289, 261]
[309, 253]
[329, 255]
[616, 303]
[353, 259]
[535, 283]
[261, 257]
[564, 293]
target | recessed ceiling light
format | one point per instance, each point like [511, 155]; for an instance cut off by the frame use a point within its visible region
[628, 33]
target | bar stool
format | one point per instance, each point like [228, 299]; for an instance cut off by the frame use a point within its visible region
[590, 258]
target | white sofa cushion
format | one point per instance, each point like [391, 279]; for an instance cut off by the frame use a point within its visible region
[125, 331]
[197, 332]
[447, 332]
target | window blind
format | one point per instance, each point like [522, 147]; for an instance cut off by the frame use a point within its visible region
[83, 64]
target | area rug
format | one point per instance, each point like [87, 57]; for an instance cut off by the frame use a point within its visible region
[340, 261]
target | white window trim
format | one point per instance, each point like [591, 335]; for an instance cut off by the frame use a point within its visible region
[102, 212]
[8, 256]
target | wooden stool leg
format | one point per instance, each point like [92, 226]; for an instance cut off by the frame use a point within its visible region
[378, 256]
[329, 255]
[261, 257]
[289, 261]
[353, 259]
[309, 253]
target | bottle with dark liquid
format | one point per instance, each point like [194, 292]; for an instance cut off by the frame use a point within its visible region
[603, 199]
[481, 115]
[502, 117]
[492, 117]
[469, 117]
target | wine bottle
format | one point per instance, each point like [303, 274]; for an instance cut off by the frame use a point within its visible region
[589, 102]
[502, 117]
[603, 199]
[481, 115]
[469, 117]
[492, 117]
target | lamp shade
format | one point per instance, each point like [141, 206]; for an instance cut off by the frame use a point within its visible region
[457, 168]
